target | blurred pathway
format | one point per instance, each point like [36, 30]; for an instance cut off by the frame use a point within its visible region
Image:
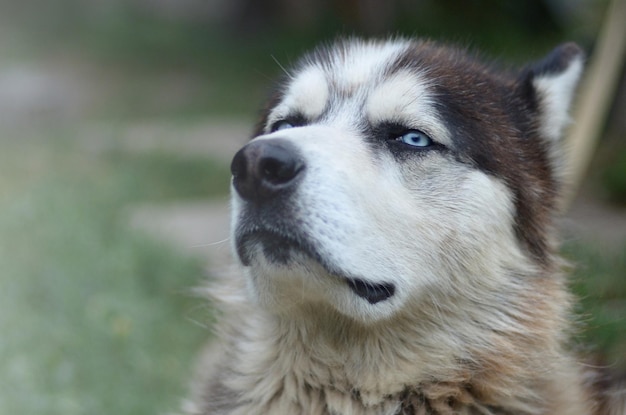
[196, 228]
[596, 223]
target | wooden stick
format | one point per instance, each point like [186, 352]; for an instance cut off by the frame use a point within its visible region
[596, 95]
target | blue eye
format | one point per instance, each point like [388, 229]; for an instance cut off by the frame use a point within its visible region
[282, 125]
[415, 138]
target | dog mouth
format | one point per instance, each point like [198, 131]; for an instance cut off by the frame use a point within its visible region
[279, 248]
[285, 249]
[372, 292]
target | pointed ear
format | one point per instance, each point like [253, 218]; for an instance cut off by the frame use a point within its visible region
[552, 82]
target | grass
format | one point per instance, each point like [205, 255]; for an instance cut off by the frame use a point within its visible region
[96, 318]
[598, 282]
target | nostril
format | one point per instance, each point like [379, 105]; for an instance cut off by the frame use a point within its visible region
[279, 170]
[238, 166]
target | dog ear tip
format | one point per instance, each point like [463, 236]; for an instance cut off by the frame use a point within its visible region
[559, 60]
[571, 51]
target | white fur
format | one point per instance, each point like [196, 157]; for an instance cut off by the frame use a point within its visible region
[556, 92]
[307, 95]
[370, 222]
[352, 72]
[406, 100]
[362, 62]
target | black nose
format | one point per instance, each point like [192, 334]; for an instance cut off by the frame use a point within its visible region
[264, 168]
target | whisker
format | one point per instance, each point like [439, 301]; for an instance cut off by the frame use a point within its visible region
[211, 244]
[281, 67]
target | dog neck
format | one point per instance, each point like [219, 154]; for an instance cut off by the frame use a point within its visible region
[491, 357]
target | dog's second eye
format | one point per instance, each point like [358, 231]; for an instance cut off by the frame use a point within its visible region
[415, 138]
[281, 125]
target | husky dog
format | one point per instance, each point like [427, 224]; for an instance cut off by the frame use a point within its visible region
[393, 217]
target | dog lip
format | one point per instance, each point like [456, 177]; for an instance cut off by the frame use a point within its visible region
[372, 292]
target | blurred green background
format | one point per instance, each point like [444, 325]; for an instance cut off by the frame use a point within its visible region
[111, 107]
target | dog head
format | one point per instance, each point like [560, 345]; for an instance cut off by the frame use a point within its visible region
[385, 172]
